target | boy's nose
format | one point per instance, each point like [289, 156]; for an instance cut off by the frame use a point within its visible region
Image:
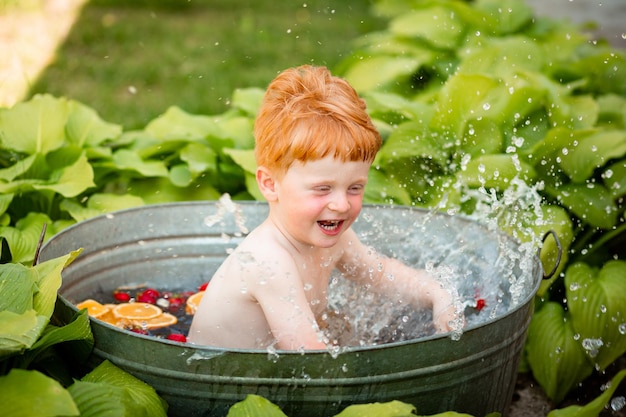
[339, 203]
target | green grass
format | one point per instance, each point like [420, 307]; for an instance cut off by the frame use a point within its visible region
[131, 63]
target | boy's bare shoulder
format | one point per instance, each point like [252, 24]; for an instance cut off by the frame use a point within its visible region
[262, 250]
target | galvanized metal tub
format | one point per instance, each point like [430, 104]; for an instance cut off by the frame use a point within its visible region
[170, 244]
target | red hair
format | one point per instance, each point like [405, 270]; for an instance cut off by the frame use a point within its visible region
[308, 114]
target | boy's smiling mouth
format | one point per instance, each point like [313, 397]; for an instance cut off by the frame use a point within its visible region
[330, 225]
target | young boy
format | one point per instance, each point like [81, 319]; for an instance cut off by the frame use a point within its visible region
[314, 147]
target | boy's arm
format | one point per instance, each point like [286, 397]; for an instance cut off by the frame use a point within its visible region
[398, 281]
[287, 310]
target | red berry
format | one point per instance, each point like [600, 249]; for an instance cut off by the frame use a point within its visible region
[177, 337]
[151, 292]
[176, 303]
[149, 295]
[480, 304]
[138, 330]
[203, 286]
[146, 298]
[122, 297]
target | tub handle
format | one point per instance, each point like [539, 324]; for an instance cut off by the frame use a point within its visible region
[559, 253]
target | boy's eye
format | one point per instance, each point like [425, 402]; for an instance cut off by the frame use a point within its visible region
[357, 188]
[323, 188]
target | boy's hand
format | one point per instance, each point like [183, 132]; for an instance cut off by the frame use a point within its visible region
[445, 315]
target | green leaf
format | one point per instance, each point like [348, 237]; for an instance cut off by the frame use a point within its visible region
[395, 109]
[100, 203]
[85, 127]
[437, 25]
[18, 283]
[597, 304]
[412, 140]
[494, 171]
[237, 132]
[71, 180]
[49, 280]
[125, 159]
[592, 151]
[252, 187]
[102, 400]
[614, 178]
[557, 360]
[23, 238]
[34, 126]
[68, 181]
[502, 56]
[175, 123]
[388, 409]
[482, 136]
[595, 407]
[77, 330]
[180, 175]
[255, 406]
[27, 299]
[380, 71]
[144, 399]
[468, 97]
[106, 203]
[200, 158]
[5, 202]
[161, 190]
[383, 189]
[510, 15]
[244, 158]
[612, 111]
[19, 168]
[592, 203]
[248, 99]
[32, 394]
[19, 332]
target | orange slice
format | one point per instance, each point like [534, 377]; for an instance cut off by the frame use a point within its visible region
[94, 308]
[193, 302]
[163, 320]
[109, 317]
[136, 311]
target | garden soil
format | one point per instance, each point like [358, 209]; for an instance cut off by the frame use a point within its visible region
[29, 39]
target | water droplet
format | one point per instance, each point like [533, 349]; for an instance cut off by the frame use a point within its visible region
[272, 354]
[486, 106]
[618, 403]
[622, 328]
[592, 346]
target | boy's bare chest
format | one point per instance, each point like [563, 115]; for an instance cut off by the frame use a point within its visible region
[316, 275]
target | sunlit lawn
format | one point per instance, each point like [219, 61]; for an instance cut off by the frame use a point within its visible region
[132, 60]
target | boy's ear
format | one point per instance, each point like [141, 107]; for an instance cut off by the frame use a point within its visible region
[267, 183]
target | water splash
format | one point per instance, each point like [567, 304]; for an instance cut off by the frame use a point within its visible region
[226, 205]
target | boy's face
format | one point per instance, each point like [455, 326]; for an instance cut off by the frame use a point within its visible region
[318, 200]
